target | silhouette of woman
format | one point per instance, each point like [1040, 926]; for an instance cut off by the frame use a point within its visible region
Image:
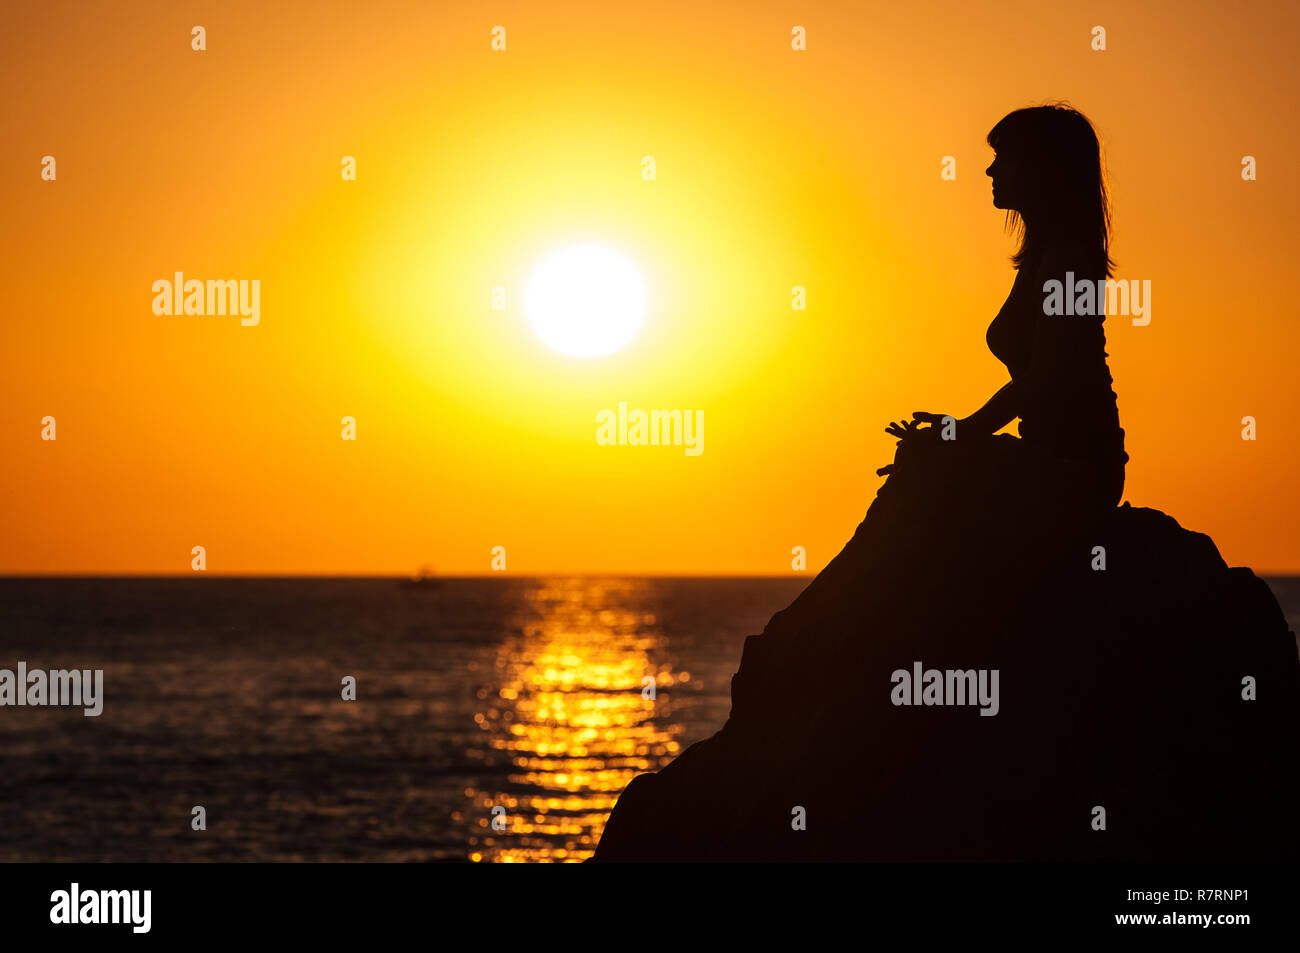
[1047, 174]
[967, 507]
[981, 552]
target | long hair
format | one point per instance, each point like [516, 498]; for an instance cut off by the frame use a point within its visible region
[1056, 151]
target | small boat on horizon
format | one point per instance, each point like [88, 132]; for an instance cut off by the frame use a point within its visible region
[423, 578]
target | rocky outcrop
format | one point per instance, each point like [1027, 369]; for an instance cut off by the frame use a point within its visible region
[1157, 696]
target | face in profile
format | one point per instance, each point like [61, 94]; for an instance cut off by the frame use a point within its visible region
[1007, 183]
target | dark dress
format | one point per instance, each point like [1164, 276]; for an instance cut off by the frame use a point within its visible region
[1009, 506]
[1063, 395]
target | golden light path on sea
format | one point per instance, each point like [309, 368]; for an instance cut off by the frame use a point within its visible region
[572, 709]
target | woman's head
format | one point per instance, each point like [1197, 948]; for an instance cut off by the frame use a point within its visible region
[1047, 174]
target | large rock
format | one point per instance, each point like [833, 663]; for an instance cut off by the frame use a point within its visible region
[1119, 688]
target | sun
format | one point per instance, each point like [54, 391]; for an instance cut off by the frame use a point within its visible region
[586, 301]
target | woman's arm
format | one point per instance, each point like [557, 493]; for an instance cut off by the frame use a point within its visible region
[997, 412]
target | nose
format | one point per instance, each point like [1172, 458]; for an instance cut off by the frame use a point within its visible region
[989, 170]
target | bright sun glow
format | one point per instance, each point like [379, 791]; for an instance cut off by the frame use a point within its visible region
[586, 301]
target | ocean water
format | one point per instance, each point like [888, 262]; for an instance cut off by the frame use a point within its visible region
[508, 699]
[515, 700]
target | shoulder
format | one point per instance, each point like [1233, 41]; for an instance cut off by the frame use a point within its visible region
[1056, 260]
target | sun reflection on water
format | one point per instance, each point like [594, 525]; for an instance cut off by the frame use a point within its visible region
[571, 708]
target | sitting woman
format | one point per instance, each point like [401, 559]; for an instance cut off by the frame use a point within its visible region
[961, 499]
[978, 550]
[1047, 175]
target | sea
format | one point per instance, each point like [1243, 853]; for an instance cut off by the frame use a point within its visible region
[491, 720]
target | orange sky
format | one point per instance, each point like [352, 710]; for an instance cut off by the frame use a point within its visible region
[775, 168]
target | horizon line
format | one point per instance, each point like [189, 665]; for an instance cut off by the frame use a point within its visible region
[587, 574]
[576, 574]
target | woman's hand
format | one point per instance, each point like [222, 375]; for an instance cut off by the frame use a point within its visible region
[925, 417]
[912, 428]
[906, 430]
[903, 430]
